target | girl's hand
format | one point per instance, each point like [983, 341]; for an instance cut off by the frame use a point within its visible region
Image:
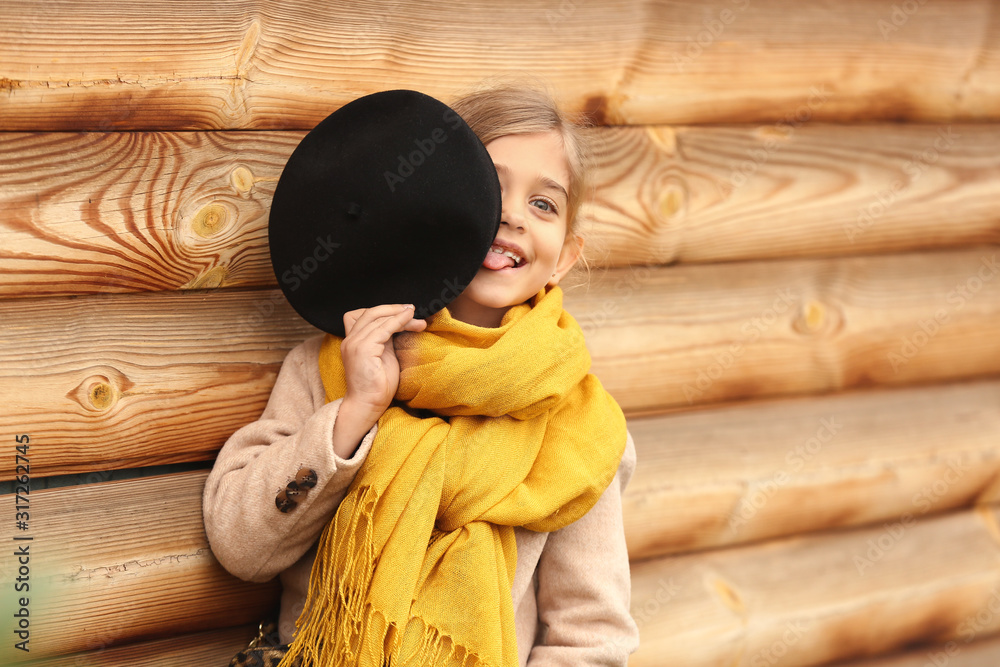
[371, 369]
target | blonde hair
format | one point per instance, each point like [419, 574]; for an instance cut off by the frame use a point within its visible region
[504, 109]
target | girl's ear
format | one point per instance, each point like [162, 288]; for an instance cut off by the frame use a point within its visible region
[570, 253]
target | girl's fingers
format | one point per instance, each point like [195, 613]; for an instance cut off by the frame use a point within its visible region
[352, 317]
[386, 319]
[415, 325]
[370, 362]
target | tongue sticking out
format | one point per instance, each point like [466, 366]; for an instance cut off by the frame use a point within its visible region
[496, 261]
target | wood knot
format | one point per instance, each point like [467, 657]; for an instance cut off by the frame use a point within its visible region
[210, 220]
[773, 132]
[815, 317]
[101, 395]
[101, 390]
[664, 138]
[730, 598]
[245, 54]
[211, 279]
[666, 195]
[242, 180]
[671, 202]
[813, 314]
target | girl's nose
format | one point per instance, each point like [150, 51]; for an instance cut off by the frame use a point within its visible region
[511, 216]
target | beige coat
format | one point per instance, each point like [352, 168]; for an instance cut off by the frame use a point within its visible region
[571, 587]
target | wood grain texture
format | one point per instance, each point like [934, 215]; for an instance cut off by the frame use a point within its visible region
[718, 477]
[141, 379]
[213, 649]
[117, 212]
[125, 561]
[966, 651]
[818, 599]
[100, 383]
[123, 212]
[714, 194]
[691, 335]
[269, 64]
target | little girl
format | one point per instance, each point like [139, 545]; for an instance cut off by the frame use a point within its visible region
[448, 491]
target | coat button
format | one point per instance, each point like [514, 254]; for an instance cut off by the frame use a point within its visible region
[306, 478]
[293, 490]
[283, 502]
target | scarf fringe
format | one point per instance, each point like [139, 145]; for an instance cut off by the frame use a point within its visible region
[349, 614]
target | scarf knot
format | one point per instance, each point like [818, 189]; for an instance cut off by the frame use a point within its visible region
[453, 368]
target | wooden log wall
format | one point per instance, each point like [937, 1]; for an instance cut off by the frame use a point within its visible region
[794, 295]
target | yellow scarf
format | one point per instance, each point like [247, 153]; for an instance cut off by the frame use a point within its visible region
[417, 566]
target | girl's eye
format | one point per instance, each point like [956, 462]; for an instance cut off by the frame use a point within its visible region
[544, 205]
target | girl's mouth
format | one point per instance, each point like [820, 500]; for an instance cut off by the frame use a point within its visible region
[502, 258]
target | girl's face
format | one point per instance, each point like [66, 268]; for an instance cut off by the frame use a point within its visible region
[534, 181]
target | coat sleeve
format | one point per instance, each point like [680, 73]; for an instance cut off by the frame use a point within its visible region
[584, 587]
[248, 534]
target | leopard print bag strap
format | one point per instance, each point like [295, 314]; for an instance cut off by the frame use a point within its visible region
[267, 656]
[263, 650]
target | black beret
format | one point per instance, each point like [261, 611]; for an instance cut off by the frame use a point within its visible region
[390, 199]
